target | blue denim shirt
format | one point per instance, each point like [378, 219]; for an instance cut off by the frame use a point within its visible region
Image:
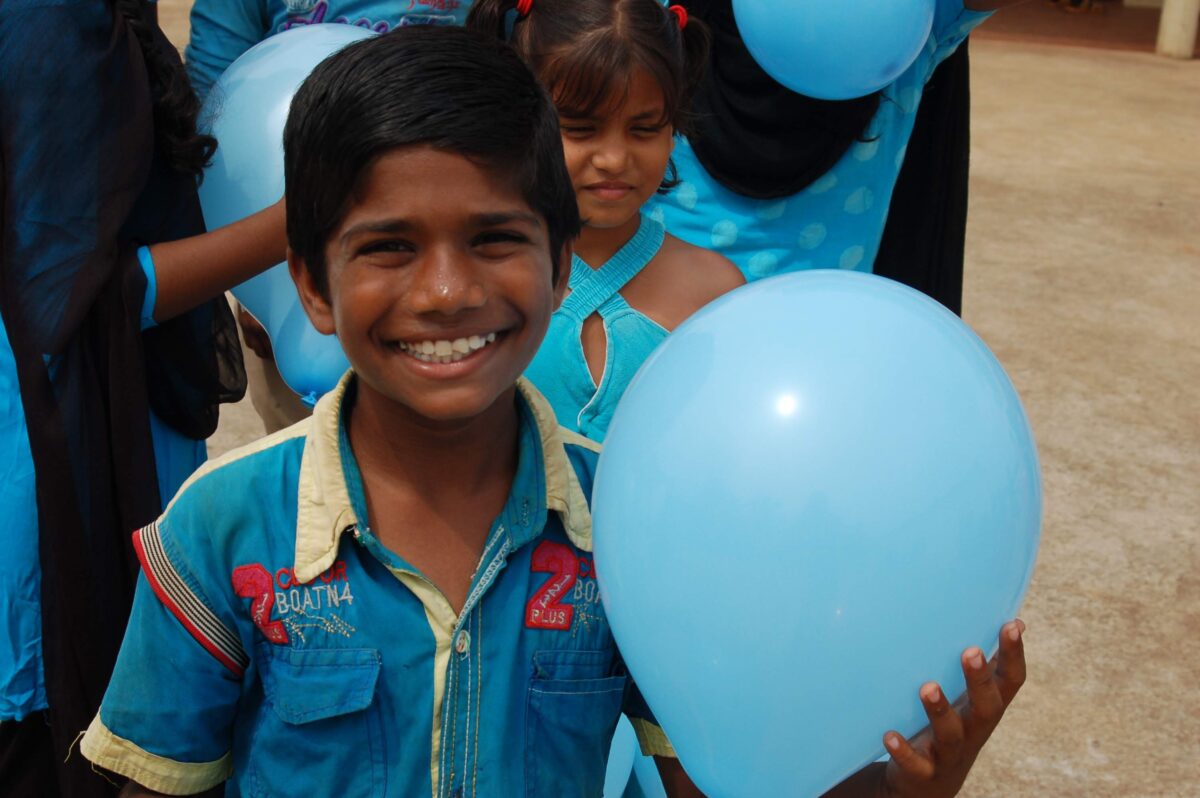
[276, 643]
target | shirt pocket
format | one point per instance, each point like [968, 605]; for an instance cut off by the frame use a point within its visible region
[320, 725]
[573, 704]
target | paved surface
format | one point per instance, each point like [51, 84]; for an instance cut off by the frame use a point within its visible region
[1084, 277]
[1108, 24]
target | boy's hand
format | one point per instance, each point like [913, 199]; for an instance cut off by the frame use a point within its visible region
[935, 763]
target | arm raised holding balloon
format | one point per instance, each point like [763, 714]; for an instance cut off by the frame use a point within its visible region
[195, 269]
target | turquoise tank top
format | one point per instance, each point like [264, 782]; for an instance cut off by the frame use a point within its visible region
[560, 370]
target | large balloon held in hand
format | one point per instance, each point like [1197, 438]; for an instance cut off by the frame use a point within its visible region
[246, 111]
[834, 49]
[814, 495]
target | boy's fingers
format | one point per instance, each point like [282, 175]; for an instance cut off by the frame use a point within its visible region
[944, 722]
[907, 758]
[1010, 661]
[985, 705]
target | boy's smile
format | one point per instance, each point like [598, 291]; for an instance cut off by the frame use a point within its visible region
[440, 284]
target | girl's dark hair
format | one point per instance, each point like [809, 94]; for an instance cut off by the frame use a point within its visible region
[175, 103]
[586, 51]
[443, 87]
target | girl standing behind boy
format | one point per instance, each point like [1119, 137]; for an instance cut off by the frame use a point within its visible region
[621, 76]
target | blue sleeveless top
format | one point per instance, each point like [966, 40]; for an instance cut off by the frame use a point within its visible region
[560, 370]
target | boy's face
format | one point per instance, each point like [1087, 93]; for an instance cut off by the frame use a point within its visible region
[440, 283]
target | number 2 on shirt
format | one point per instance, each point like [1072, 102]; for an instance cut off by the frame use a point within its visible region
[546, 610]
[254, 582]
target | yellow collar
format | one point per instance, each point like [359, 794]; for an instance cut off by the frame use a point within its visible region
[324, 512]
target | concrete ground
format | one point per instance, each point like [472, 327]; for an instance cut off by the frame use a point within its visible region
[1084, 277]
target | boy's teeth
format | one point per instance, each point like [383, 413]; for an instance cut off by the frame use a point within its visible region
[447, 351]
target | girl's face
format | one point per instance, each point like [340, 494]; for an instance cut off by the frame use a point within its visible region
[618, 157]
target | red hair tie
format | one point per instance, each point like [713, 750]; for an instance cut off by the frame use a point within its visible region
[524, 7]
[680, 15]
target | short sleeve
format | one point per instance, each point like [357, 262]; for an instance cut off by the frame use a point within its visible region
[221, 31]
[146, 260]
[166, 720]
[652, 739]
[952, 23]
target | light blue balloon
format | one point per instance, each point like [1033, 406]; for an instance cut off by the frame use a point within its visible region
[620, 759]
[834, 49]
[246, 110]
[813, 496]
[645, 782]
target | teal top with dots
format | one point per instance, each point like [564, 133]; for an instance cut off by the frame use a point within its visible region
[560, 370]
[837, 221]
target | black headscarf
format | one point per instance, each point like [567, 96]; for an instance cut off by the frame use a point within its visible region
[81, 187]
[926, 230]
[756, 137]
[764, 141]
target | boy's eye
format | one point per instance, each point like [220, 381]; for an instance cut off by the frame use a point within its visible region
[385, 246]
[497, 243]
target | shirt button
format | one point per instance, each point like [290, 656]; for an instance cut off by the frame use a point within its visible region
[462, 643]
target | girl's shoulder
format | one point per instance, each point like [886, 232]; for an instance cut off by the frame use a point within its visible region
[697, 272]
[681, 279]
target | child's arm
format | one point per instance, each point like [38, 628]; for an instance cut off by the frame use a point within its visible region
[675, 781]
[194, 270]
[168, 714]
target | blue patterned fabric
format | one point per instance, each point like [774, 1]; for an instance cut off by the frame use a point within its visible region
[837, 221]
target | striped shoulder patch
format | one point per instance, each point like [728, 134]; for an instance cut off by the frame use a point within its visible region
[171, 589]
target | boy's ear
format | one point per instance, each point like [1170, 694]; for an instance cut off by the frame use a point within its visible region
[316, 306]
[564, 273]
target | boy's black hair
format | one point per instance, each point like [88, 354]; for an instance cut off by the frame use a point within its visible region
[444, 87]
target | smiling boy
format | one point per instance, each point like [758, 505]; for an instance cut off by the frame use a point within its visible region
[395, 597]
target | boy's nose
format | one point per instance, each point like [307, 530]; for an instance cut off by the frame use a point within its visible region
[445, 284]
